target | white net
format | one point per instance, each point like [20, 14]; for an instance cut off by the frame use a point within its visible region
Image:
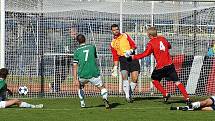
[40, 42]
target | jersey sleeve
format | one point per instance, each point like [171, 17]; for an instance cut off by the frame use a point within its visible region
[131, 42]
[147, 52]
[114, 53]
[95, 52]
[75, 57]
[169, 45]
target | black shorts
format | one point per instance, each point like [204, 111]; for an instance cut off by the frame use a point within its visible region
[167, 72]
[128, 64]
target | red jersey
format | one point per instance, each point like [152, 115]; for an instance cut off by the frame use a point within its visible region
[159, 46]
[120, 44]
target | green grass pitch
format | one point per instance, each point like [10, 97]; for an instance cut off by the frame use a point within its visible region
[67, 109]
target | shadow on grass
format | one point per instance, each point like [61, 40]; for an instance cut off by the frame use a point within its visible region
[160, 99]
[113, 105]
[146, 98]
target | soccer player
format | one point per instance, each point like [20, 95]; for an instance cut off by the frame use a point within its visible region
[122, 46]
[205, 105]
[62, 62]
[4, 102]
[159, 46]
[85, 62]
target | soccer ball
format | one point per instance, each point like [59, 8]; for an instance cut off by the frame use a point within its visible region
[23, 90]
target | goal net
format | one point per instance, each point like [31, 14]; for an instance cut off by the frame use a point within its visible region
[39, 42]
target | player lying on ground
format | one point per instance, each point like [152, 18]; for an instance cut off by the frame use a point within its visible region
[206, 105]
[9, 102]
[85, 63]
[159, 47]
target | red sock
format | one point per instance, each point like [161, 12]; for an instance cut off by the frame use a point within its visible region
[183, 91]
[159, 87]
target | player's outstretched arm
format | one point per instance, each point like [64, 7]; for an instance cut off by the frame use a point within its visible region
[147, 52]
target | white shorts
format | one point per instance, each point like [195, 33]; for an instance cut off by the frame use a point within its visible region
[94, 81]
[2, 104]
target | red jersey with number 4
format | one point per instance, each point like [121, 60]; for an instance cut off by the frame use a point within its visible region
[159, 46]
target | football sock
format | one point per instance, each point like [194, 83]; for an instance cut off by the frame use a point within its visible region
[126, 88]
[132, 85]
[183, 91]
[159, 87]
[25, 105]
[104, 93]
[196, 105]
[81, 94]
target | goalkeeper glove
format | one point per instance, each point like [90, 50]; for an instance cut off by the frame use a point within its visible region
[128, 53]
[115, 71]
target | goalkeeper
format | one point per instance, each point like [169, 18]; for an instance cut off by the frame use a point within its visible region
[123, 46]
[85, 62]
[9, 102]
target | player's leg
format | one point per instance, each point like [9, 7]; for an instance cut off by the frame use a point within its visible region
[126, 85]
[134, 68]
[183, 91]
[124, 68]
[21, 104]
[104, 93]
[63, 72]
[134, 79]
[56, 84]
[81, 95]
[156, 77]
[174, 77]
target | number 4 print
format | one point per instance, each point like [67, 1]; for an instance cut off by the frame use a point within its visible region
[162, 47]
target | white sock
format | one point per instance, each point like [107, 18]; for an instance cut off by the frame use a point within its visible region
[104, 93]
[196, 105]
[126, 88]
[132, 85]
[25, 105]
[81, 94]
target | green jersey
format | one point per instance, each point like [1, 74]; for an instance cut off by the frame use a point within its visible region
[3, 89]
[85, 55]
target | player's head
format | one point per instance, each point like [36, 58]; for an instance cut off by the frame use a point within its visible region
[73, 33]
[81, 38]
[115, 29]
[213, 43]
[3, 73]
[152, 32]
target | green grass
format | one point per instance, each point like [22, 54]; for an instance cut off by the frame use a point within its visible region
[67, 109]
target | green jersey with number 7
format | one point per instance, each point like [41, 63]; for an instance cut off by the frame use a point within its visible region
[85, 56]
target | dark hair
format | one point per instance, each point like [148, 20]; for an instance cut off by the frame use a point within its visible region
[114, 25]
[81, 38]
[3, 73]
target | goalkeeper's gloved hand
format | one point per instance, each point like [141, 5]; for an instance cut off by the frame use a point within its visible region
[128, 53]
[115, 71]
